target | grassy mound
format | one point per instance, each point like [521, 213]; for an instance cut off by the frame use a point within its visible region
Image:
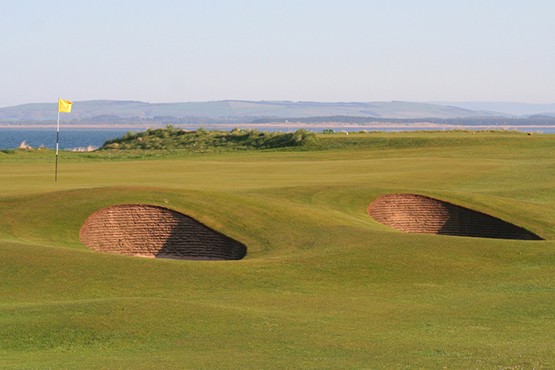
[323, 285]
[204, 140]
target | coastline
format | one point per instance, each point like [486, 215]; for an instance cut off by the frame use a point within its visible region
[286, 126]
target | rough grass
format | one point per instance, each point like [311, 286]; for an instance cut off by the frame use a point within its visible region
[201, 140]
[323, 286]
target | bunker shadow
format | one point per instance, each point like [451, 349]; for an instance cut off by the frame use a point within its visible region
[191, 240]
[466, 222]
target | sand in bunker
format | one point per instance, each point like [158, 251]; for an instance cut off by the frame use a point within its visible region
[415, 213]
[153, 231]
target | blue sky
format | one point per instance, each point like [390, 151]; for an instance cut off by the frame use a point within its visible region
[349, 50]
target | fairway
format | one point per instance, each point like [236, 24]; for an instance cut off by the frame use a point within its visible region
[323, 285]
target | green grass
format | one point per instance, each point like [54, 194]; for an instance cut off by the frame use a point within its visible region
[322, 286]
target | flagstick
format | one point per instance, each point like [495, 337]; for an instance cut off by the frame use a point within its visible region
[57, 144]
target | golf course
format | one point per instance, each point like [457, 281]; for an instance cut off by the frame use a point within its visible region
[316, 282]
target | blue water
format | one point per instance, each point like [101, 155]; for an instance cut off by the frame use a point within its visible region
[78, 138]
[69, 138]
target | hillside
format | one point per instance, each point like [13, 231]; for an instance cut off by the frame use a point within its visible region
[513, 109]
[112, 111]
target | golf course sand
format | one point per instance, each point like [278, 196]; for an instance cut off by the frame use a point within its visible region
[415, 213]
[152, 231]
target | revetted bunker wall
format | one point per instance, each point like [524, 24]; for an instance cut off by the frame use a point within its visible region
[152, 231]
[415, 213]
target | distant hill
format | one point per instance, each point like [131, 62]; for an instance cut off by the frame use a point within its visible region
[116, 111]
[515, 109]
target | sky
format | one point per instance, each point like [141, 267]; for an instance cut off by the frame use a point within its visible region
[299, 50]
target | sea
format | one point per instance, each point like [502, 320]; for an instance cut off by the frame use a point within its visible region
[81, 139]
[69, 139]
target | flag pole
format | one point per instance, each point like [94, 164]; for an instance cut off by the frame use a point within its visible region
[57, 144]
[63, 106]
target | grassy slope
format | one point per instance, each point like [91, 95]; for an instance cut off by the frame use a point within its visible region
[322, 285]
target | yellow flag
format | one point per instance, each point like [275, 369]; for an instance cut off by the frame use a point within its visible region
[64, 106]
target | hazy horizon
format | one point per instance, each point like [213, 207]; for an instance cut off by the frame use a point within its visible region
[324, 51]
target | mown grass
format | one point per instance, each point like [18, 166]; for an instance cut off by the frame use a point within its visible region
[323, 286]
